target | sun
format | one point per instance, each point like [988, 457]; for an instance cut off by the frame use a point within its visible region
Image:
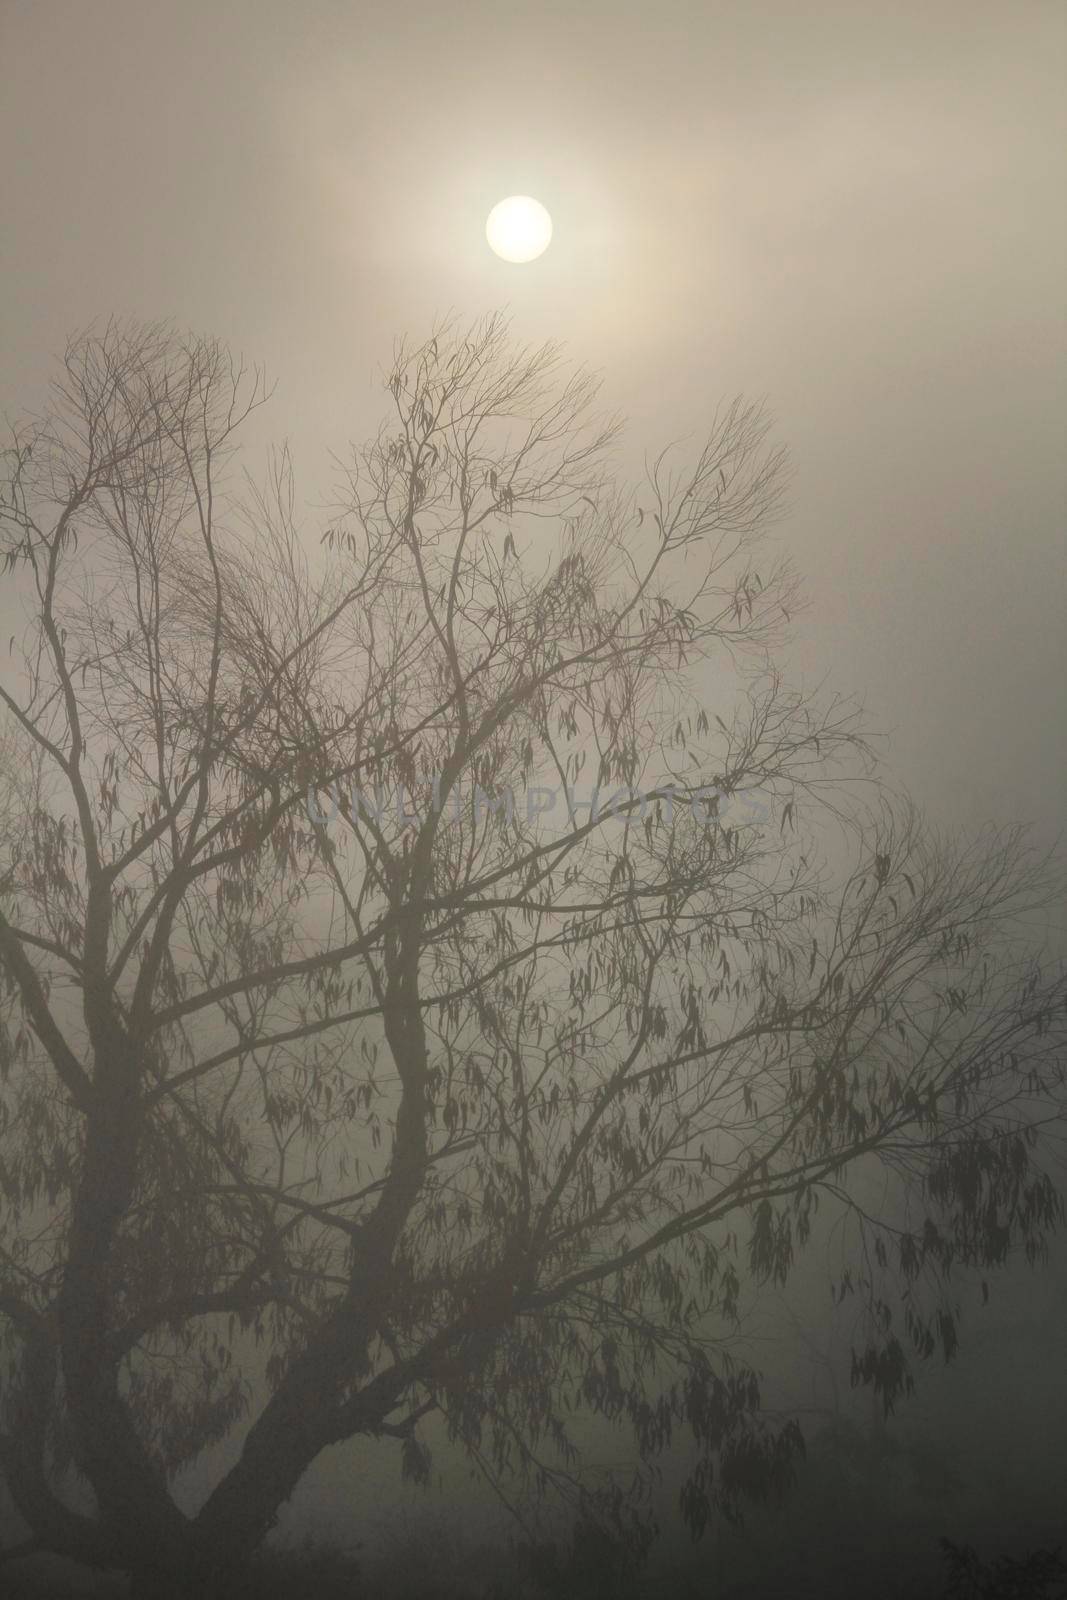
[519, 229]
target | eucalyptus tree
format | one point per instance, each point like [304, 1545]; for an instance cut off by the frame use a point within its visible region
[429, 981]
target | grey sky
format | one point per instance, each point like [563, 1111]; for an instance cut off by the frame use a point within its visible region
[855, 210]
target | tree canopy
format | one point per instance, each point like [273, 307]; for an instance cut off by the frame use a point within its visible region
[443, 963]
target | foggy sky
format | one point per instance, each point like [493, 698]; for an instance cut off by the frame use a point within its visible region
[854, 210]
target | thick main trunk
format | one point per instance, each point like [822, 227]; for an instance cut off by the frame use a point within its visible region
[305, 1414]
[132, 1496]
[295, 1425]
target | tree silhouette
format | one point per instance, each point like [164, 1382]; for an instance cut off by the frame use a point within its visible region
[342, 1024]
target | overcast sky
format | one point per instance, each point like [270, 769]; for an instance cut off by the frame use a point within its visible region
[855, 210]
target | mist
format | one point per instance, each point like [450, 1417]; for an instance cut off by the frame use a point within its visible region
[728, 1265]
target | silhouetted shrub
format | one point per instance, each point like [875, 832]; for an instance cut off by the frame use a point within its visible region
[1039, 1575]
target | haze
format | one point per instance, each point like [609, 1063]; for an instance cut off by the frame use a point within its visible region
[855, 211]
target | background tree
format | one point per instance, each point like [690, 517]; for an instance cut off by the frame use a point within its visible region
[315, 1045]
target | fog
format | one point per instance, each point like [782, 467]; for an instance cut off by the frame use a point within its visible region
[852, 212]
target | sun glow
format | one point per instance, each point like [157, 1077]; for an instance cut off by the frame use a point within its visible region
[519, 229]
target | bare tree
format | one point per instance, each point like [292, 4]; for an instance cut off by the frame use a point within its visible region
[324, 1031]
